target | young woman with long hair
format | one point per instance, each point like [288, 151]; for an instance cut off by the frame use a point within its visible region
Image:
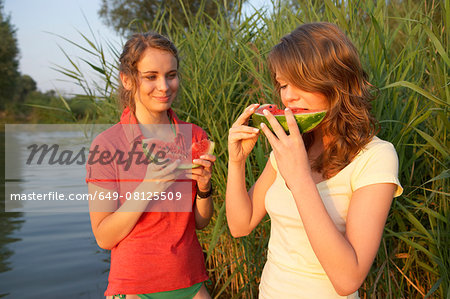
[327, 192]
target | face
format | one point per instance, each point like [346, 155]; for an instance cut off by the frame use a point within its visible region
[158, 82]
[294, 97]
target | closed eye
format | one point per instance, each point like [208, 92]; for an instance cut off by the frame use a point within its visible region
[172, 75]
[151, 78]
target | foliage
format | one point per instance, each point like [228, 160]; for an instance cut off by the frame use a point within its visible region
[25, 85]
[127, 16]
[16, 90]
[403, 47]
[9, 63]
[48, 108]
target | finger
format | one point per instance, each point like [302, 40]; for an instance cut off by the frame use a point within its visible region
[243, 118]
[157, 166]
[161, 181]
[170, 167]
[178, 172]
[277, 128]
[193, 176]
[202, 162]
[201, 171]
[176, 176]
[208, 157]
[198, 171]
[243, 129]
[164, 184]
[273, 140]
[188, 175]
[243, 136]
[291, 122]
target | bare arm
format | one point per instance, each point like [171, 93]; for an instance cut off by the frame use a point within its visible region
[346, 258]
[244, 210]
[109, 224]
[109, 227]
[204, 207]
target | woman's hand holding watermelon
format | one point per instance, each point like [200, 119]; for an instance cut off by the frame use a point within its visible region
[159, 177]
[289, 150]
[242, 138]
[203, 173]
[204, 208]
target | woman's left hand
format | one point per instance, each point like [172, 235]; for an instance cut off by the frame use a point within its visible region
[202, 174]
[289, 150]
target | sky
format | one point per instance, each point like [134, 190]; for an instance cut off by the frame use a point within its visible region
[37, 23]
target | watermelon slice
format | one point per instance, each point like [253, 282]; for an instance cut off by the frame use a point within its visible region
[171, 151]
[306, 119]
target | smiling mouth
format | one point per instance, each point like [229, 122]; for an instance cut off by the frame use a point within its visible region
[163, 99]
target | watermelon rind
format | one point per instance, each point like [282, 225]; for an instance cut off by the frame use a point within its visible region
[192, 165]
[305, 121]
[181, 166]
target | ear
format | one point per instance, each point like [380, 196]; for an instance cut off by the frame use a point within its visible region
[126, 81]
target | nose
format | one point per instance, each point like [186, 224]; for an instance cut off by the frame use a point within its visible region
[288, 94]
[163, 85]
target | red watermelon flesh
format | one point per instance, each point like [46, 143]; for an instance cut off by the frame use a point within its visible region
[275, 111]
[306, 119]
[157, 150]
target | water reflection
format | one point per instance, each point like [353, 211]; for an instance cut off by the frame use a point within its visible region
[46, 254]
[9, 222]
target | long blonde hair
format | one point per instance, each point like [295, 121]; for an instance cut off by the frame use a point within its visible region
[319, 57]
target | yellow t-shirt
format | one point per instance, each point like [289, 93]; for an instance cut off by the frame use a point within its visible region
[292, 269]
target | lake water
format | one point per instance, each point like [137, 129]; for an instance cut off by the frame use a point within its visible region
[44, 253]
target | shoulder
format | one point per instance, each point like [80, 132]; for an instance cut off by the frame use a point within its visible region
[377, 154]
[377, 162]
[377, 146]
[109, 136]
[197, 132]
[100, 167]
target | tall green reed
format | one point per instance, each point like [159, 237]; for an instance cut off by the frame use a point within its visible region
[404, 49]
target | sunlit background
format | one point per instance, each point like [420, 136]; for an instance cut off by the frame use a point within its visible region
[40, 22]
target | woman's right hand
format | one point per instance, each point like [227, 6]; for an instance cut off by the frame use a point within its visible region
[242, 138]
[160, 176]
[109, 225]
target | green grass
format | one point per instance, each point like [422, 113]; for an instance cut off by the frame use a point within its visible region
[403, 47]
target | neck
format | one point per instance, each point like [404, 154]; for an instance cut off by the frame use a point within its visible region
[147, 117]
[156, 126]
[319, 144]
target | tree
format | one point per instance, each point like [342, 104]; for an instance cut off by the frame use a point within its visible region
[25, 85]
[9, 63]
[122, 15]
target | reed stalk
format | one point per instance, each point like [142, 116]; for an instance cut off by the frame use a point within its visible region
[404, 49]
